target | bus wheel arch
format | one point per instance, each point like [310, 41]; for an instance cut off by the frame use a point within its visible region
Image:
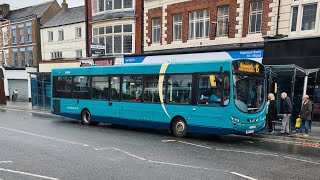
[86, 117]
[179, 126]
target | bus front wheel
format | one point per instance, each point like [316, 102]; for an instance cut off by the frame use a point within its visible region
[86, 117]
[179, 127]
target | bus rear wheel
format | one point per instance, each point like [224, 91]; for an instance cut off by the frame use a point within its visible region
[86, 118]
[179, 127]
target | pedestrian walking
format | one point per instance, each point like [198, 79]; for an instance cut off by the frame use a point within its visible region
[15, 95]
[287, 110]
[305, 115]
[272, 111]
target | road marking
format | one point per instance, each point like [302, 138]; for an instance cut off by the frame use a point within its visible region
[195, 145]
[47, 137]
[132, 155]
[247, 152]
[23, 110]
[182, 165]
[301, 160]
[29, 174]
[5, 162]
[99, 149]
[169, 140]
[244, 176]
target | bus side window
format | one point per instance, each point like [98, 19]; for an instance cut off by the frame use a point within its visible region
[100, 87]
[115, 88]
[179, 89]
[132, 88]
[151, 92]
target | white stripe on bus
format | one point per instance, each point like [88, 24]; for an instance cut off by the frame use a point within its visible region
[160, 86]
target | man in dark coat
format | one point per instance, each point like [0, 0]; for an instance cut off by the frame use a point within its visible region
[287, 110]
[305, 115]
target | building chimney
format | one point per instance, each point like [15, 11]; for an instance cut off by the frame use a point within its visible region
[64, 5]
[4, 10]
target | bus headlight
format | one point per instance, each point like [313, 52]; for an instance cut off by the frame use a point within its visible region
[263, 118]
[234, 119]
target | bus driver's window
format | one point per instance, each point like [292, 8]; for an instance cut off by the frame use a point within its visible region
[210, 91]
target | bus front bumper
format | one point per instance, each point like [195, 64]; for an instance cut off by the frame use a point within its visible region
[249, 128]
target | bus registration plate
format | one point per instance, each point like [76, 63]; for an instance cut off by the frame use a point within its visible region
[249, 131]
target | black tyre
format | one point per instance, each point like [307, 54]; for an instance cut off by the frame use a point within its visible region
[179, 127]
[86, 118]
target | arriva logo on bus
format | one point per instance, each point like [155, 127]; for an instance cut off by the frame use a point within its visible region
[72, 108]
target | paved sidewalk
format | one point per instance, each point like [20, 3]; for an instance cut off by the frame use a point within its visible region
[312, 140]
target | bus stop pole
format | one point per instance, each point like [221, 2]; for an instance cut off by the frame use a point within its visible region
[270, 80]
[293, 83]
[305, 83]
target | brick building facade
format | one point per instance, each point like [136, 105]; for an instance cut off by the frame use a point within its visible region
[21, 46]
[115, 25]
[208, 25]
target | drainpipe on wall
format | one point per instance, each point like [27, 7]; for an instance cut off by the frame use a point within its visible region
[86, 27]
[278, 18]
[142, 25]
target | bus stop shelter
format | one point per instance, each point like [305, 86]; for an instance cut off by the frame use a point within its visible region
[290, 72]
[293, 80]
[41, 91]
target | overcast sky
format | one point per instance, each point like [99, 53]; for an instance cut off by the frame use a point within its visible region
[15, 4]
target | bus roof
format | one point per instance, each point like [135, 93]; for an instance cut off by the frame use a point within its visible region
[179, 67]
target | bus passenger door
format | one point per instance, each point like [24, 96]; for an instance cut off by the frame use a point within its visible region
[209, 111]
[114, 103]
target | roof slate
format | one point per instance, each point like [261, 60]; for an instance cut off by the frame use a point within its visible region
[37, 10]
[68, 16]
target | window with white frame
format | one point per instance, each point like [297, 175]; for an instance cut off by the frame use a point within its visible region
[15, 57]
[108, 5]
[222, 21]
[255, 18]
[78, 32]
[177, 27]
[21, 34]
[5, 38]
[30, 57]
[22, 58]
[78, 53]
[50, 36]
[61, 35]
[156, 30]
[56, 55]
[309, 17]
[118, 39]
[294, 18]
[14, 36]
[29, 34]
[199, 24]
[304, 16]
